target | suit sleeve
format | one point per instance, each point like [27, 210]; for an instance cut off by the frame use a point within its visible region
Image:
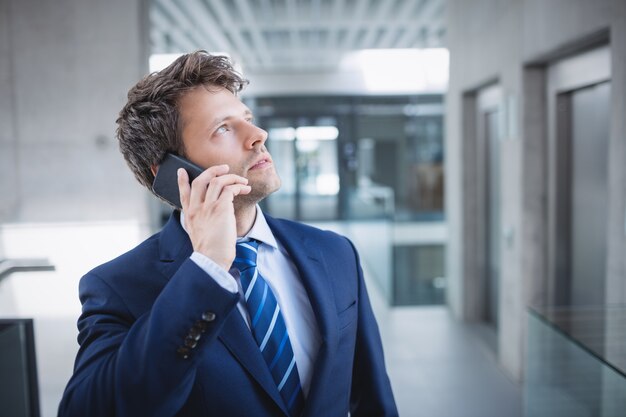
[371, 390]
[143, 367]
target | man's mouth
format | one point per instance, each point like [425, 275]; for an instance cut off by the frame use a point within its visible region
[261, 163]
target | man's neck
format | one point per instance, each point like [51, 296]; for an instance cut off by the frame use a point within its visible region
[245, 217]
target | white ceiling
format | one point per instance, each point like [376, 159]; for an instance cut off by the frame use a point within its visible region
[294, 35]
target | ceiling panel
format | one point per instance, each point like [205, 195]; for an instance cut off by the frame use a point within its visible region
[294, 35]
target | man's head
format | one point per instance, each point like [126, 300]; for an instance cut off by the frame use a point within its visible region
[190, 108]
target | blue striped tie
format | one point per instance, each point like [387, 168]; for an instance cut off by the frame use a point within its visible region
[268, 327]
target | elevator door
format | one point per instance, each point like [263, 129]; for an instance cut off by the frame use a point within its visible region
[488, 168]
[579, 94]
[589, 195]
[492, 213]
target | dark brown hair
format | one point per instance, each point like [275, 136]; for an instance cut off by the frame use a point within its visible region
[149, 123]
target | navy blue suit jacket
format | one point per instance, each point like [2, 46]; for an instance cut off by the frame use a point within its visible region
[139, 308]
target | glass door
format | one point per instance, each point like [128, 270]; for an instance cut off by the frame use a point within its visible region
[305, 153]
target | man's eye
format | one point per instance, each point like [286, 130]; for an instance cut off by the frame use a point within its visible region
[222, 129]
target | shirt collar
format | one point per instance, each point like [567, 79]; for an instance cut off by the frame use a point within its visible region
[260, 229]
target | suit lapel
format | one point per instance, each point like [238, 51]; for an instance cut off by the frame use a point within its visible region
[174, 248]
[174, 245]
[312, 269]
[239, 341]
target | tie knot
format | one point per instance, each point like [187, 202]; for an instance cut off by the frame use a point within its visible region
[246, 255]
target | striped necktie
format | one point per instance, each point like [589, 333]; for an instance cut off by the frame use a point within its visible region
[268, 327]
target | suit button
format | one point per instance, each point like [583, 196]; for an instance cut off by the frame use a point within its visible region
[194, 334]
[201, 326]
[208, 316]
[191, 342]
[183, 352]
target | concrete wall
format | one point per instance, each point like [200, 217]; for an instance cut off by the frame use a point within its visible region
[65, 69]
[493, 41]
[8, 152]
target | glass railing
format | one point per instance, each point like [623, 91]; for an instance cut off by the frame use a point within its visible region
[576, 362]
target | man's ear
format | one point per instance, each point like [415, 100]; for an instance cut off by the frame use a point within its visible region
[154, 168]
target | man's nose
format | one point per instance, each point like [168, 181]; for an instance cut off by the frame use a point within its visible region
[256, 137]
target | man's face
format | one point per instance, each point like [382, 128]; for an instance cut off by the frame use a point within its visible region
[217, 128]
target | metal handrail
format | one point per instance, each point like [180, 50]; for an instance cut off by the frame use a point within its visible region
[9, 266]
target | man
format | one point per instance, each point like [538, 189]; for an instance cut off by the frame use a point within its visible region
[226, 311]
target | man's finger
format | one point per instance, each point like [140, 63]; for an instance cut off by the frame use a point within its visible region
[229, 192]
[183, 188]
[200, 184]
[218, 183]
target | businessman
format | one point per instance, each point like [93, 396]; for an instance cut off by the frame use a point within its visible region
[226, 311]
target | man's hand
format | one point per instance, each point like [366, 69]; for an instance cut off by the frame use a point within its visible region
[209, 211]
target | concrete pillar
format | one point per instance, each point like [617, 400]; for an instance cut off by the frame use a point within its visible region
[66, 67]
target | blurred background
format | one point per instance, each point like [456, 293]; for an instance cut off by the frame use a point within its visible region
[474, 151]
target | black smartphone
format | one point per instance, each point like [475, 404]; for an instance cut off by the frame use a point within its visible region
[165, 183]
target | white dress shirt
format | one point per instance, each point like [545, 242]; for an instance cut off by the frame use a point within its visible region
[275, 265]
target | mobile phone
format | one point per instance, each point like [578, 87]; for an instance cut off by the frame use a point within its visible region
[165, 183]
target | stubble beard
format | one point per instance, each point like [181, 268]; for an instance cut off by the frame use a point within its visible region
[260, 189]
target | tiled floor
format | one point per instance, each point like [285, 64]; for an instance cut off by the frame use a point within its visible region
[438, 367]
